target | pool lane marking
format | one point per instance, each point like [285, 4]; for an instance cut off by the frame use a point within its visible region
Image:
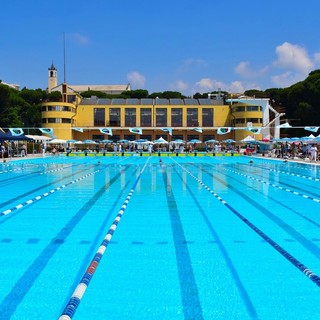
[276, 186]
[188, 289]
[82, 286]
[28, 278]
[37, 198]
[235, 276]
[299, 265]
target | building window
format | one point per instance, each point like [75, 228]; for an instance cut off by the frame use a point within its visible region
[114, 117]
[44, 120]
[130, 117]
[207, 137]
[130, 137]
[97, 137]
[161, 117]
[65, 120]
[176, 117]
[253, 120]
[192, 137]
[192, 117]
[253, 108]
[44, 108]
[54, 120]
[53, 108]
[65, 108]
[239, 121]
[239, 109]
[207, 117]
[99, 117]
[145, 117]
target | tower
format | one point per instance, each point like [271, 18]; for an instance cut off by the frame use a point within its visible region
[52, 77]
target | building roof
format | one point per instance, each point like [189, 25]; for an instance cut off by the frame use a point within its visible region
[102, 87]
[111, 89]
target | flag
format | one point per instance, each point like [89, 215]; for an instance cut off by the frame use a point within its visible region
[47, 131]
[284, 125]
[135, 130]
[78, 129]
[106, 131]
[196, 129]
[169, 130]
[255, 130]
[16, 131]
[313, 129]
[223, 130]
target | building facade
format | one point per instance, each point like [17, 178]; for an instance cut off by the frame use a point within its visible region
[77, 118]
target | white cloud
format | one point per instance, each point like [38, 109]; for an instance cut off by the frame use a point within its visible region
[207, 84]
[296, 63]
[285, 79]
[136, 79]
[191, 64]
[180, 86]
[244, 70]
[317, 58]
[78, 38]
[294, 57]
[237, 87]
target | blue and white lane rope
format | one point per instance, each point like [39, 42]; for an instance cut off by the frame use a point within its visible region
[299, 265]
[276, 186]
[291, 174]
[37, 198]
[77, 295]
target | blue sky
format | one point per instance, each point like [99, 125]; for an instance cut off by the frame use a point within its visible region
[181, 45]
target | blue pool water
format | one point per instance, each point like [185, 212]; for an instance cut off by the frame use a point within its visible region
[195, 238]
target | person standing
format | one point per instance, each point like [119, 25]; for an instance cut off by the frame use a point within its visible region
[23, 150]
[2, 151]
[313, 153]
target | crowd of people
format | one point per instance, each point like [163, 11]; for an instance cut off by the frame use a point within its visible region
[295, 151]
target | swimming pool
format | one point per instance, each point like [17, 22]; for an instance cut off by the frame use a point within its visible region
[185, 238]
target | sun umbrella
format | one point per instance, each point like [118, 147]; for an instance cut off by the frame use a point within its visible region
[106, 141]
[229, 141]
[123, 141]
[194, 141]
[178, 141]
[211, 141]
[38, 138]
[57, 141]
[160, 140]
[248, 139]
[88, 141]
[141, 141]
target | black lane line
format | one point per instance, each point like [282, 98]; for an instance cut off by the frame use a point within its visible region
[280, 183]
[241, 288]
[294, 261]
[189, 291]
[22, 286]
[311, 247]
[3, 204]
[97, 239]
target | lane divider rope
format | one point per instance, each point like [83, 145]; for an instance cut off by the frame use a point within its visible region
[37, 198]
[80, 290]
[275, 186]
[299, 265]
[290, 173]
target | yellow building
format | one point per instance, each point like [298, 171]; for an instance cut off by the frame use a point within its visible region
[77, 118]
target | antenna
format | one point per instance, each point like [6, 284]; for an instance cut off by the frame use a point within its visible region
[64, 57]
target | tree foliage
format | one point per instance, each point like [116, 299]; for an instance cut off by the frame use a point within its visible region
[300, 102]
